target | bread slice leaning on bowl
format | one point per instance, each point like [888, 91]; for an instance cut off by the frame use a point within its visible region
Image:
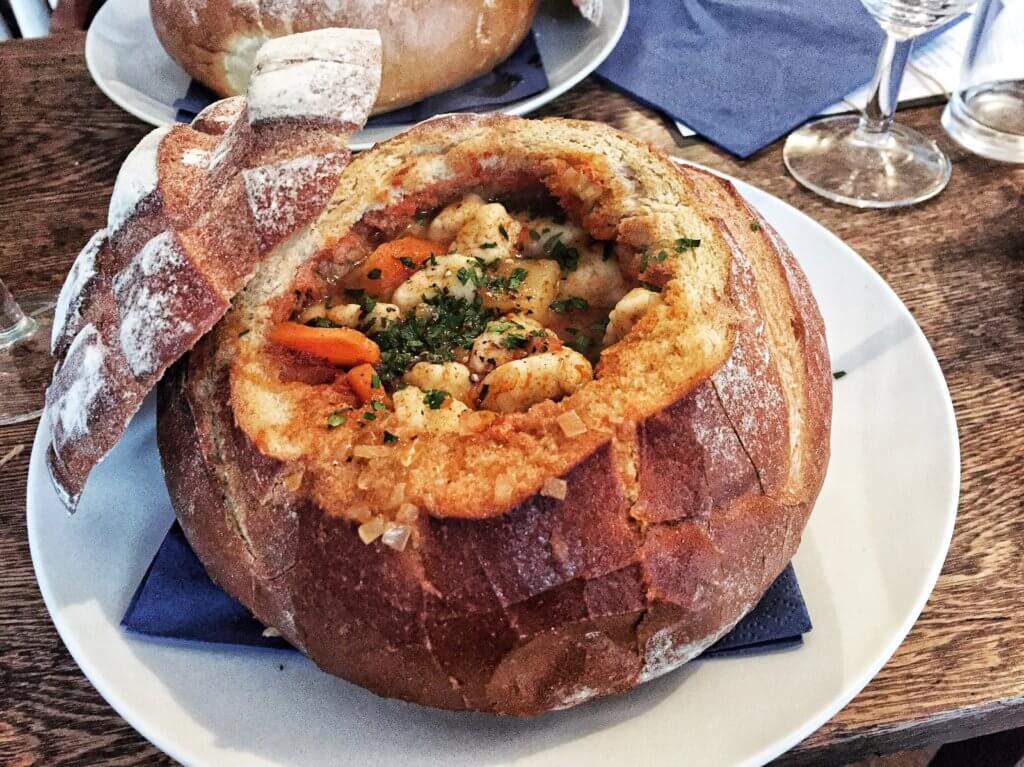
[438, 546]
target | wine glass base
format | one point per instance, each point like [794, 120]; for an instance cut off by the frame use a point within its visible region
[836, 158]
[26, 364]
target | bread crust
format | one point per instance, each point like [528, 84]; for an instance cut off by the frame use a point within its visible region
[685, 498]
[429, 45]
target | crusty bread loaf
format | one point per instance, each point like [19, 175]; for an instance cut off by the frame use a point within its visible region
[704, 444]
[428, 45]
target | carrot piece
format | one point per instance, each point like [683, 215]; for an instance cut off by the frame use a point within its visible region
[390, 265]
[366, 384]
[341, 346]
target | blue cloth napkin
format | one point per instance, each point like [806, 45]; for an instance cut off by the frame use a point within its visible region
[177, 600]
[520, 76]
[743, 73]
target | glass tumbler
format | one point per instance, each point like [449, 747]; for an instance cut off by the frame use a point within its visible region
[985, 113]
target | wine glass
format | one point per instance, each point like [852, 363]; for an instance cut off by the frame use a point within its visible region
[868, 160]
[25, 361]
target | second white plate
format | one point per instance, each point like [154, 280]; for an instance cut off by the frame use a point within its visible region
[869, 559]
[130, 66]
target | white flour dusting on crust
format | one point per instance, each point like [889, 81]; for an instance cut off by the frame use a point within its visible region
[136, 179]
[195, 156]
[68, 310]
[147, 293]
[274, 190]
[339, 70]
[69, 412]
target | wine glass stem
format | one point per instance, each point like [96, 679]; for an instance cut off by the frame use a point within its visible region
[885, 88]
[14, 324]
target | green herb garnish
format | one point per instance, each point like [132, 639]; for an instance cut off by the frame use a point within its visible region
[512, 341]
[434, 398]
[373, 274]
[369, 417]
[335, 419]
[683, 243]
[390, 438]
[534, 235]
[502, 231]
[375, 381]
[378, 405]
[755, 226]
[570, 304]
[488, 245]
[407, 262]
[839, 374]
[320, 322]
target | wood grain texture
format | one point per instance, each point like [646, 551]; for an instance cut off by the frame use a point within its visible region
[957, 262]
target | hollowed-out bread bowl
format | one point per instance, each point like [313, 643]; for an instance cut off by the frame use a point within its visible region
[428, 45]
[519, 559]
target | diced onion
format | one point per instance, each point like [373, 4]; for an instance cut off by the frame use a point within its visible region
[360, 512]
[396, 536]
[372, 530]
[572, 425]
[398, 494]
[407, 512]
[554, 487]
[370, 451]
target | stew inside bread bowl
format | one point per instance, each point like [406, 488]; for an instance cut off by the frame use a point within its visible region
[501, 414]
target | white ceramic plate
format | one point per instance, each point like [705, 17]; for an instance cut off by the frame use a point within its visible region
[130, 66]
[869, 559]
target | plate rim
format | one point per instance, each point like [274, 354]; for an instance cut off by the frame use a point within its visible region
[782, 742]
[521, 107]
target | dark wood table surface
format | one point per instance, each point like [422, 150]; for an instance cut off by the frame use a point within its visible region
[957, 262]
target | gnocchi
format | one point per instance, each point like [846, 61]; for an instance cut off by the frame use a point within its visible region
[628, 312]
[518, 385]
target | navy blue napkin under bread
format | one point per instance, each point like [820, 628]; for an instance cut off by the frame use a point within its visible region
[743, 73]
[177, 600]
[519, 76]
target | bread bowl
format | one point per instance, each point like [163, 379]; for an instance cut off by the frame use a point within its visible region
[428, 46]
[388, 448]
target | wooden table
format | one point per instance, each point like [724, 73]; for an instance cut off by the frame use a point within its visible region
[957, 262]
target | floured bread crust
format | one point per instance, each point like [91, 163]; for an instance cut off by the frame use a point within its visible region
[703, 447]
[429, 46]
[193, 211]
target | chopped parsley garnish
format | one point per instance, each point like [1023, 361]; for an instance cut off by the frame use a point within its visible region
[534, 235]
[488, 245]
[512, 341]
[452, 323]
[539, 333]
[369, 416]
[434, 398]
[373, 274]
[244, 333]
[647, 258]
[567, 258]
[502, 231]
[378, 405]
[407, 262]
[335, 419]
[517, 278]
[839, 374]
[501, 326]
[375, 381]
[469, 274]
[368, 304]
[683, 243]
[650, 286]
[320, 322]
[581, 343]
[755, 226]
[390, 438]
[431, 260]
[421, 216]
[570, 304]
